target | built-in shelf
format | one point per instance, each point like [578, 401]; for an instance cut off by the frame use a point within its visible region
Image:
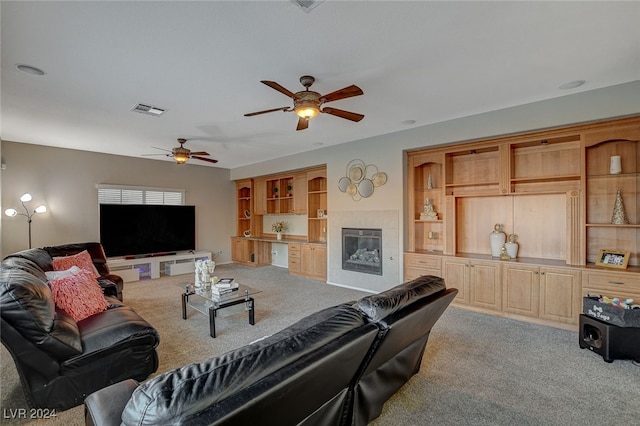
[552, 188]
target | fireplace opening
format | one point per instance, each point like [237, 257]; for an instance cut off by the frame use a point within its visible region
[362, 250]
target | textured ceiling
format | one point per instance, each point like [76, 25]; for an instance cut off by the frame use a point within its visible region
[203, 62]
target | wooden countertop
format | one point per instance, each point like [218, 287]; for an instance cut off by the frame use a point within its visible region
[284, 240]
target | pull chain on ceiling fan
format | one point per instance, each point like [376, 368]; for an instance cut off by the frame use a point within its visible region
[307, 103]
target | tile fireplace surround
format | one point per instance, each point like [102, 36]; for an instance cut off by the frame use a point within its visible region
[386, 220]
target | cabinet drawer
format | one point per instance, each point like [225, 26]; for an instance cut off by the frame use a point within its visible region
[413, 273]
[294, 265]
[612, 285]
[595, 279]
[294, 250]
[422, 261]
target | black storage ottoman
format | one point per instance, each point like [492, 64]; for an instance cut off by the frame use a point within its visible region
[609, 340]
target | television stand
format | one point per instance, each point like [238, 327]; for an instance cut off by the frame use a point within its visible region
[151, 267]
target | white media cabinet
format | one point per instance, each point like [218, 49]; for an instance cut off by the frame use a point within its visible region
[153, 266]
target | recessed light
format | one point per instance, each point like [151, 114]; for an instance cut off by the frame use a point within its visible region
[28, 69]
[572, 84]
[409, 122]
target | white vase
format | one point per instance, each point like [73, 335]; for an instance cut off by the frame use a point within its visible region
[497, 239]
[512, 249]
[278, 235]
[615, 166]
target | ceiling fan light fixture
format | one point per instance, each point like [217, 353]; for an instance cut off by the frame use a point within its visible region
[180, 158]
[307, 111]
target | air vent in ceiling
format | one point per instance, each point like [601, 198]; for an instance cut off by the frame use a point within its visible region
[307, 5]
[148, 110]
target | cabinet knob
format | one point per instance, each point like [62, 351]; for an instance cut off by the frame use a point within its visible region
[541, 273]
[616, 282]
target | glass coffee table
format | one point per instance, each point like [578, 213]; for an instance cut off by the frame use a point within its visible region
[208, 303]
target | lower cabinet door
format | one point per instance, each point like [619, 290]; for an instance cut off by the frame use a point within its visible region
[560, 298]
[456, 275]
[486, 284]
[521, 290]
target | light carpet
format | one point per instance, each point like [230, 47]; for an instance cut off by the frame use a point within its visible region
[477, 370]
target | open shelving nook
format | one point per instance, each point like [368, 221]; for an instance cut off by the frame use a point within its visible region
[244, 206]
[602, 188]
[317, 199]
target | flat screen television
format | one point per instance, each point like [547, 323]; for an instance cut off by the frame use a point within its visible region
[145, 230]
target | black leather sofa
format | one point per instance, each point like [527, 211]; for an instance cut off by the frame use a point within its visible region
[337, 366]
[61, 361]
[112, 285]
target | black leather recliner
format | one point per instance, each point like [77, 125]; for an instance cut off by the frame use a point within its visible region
[405, 316]
[61, 361]
[337, 366]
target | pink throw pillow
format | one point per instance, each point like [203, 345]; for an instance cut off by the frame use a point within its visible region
[82, 260]
[79, 295]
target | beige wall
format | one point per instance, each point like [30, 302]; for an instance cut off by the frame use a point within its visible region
[387, 152]
[65, 180]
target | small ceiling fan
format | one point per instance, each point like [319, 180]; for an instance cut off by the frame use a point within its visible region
[307, 103]
[182, 154]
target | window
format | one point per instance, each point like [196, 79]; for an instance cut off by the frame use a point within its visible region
[120, 194]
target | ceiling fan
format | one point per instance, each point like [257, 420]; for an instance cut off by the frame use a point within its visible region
[307, 103]
[182, 154]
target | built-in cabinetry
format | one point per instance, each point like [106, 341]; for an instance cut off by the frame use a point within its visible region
[554, 190]
[281, 194]
[244, 250]
[250, 252]
[317, 209]
[313, 261]
[624, 285]
[542, 292]
[602, 187]
[244, 206]
[302, 192]
[308, 260]
[295, 268]
[417, 265]
[479, 282]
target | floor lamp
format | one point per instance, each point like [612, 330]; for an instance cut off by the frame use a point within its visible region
[25, 199]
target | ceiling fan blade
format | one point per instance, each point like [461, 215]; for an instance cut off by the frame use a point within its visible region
[303, 123]
[251, 114]
[279, 88]
[210, 160]
[346, 92]
[161, 149]
[152, 155]
[343, 114]
[199, 153]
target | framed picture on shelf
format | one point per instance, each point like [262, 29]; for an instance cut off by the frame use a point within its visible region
[613, 259]
[320, 214]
